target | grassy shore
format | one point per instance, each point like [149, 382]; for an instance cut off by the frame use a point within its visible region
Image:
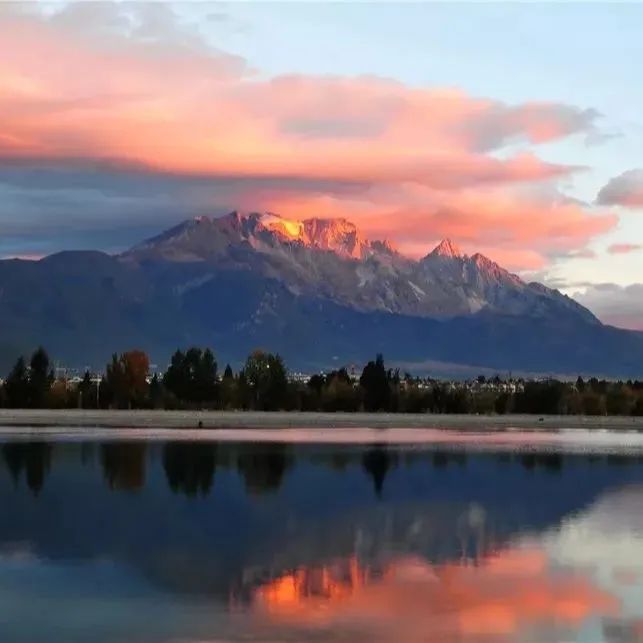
[297, 420]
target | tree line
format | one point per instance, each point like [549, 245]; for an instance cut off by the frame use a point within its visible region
[193, 381]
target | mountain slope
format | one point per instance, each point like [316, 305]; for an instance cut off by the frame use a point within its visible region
[332, 259]
[241, 282]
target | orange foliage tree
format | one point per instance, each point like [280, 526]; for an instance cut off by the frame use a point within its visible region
[126, 378]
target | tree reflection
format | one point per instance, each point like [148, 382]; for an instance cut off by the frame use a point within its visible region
[32, 457]
[376, 462]
[124, 465]
[552, 462]
[190, 466]
[441, 459]
[262, 466]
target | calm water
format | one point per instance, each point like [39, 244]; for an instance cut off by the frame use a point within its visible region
[180, 541]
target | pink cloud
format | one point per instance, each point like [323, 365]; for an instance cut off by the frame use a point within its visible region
[520, 230]
[413, 164]
[623, 248]
[195, 111]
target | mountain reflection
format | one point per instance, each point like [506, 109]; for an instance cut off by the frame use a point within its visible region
[190, 466]
[32, 457]
[124, 465]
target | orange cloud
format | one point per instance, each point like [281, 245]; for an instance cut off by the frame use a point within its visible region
[199, 112]
[501, 596]
[414, 164]
[518, 230]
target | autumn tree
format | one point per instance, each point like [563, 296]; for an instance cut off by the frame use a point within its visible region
[126, 378]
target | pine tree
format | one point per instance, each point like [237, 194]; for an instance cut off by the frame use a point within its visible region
[41, 377]
[375, 383]
[17, 385]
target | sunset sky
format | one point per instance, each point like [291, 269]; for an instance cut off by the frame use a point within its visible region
[514, 129]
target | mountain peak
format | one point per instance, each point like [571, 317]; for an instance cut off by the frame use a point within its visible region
[446, 248]
[289, 229]
[337, 235]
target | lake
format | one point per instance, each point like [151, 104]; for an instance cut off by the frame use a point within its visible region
[468, 539]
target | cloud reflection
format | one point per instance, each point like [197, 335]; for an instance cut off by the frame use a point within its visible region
[501, 596]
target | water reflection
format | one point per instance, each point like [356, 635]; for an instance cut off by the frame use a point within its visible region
[124, 465]
[190, 467]
[441, 458]
[262, 466]
[377, 462]
[409, 599]
[34, 458]
[235, 541]
[548, 461]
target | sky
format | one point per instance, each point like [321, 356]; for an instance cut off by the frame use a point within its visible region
[514, 129]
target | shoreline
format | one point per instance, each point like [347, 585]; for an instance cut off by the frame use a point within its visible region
[148, 419]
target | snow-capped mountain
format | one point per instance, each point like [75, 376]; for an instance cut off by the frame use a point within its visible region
[333, 259]
[206, 238]
[317, 291]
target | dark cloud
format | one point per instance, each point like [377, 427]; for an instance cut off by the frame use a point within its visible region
[500, 124]
[613, 304]
[45, 208]
[582, 253]
[625, 190]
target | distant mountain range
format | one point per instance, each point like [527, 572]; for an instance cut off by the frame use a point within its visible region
[315, 290]
[330, 258]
